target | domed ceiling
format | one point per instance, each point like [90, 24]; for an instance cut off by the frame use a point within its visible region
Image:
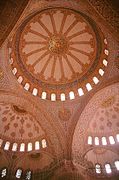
[98, 119]
[57, 49]
[18, 125]
[101, 156]
[101, 113]
[106, 117]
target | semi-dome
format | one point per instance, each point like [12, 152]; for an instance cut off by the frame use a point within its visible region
[20, 130]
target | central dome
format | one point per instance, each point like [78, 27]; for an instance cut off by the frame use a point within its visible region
[57, 48]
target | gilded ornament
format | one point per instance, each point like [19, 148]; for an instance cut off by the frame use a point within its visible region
[108, 102]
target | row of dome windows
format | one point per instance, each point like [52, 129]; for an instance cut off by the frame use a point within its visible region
[108, 168]
[103, 140]
[43, 144]
[18, 174]
[62, 96]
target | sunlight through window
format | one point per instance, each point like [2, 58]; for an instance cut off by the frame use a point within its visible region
[71, 95]
[108, 168]
[98, 168]
[104, 141]
[111, 140]
[90, 140]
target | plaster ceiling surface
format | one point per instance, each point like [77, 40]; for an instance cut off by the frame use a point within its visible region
[101, 156]
[18, 124]
[106, 118]
[104, 102]
[3, 160]
[57, 48]
[35, 161]
[10, 12]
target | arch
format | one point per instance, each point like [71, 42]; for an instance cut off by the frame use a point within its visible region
[44, 143]
[22, 147]
[29, 146]
[95, 80]
[111, 140]
[27, 86]
[98, 168]
[117, 165]
[71, 95]
[90, 140]
[62, 97]
[104, 141]
[7, 145]
[14, 147]
[35, 91]
[80, 91]
[19, 173]
[88, 86]
[4, 172]
[37, 145]
[53, 97]
[44, 95]
[96, 140]
[101, 72]
[108, 168]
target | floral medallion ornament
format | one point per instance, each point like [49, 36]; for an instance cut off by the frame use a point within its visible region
[55, 49]
[108, 102]
[64, 114]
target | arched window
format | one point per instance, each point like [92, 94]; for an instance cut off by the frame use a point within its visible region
[14, 71]
[88, 86]
[105, 41]
[44, 144]
[7, 146]
[9, 50]
[71, 95]
[98, 168]
[111, 140]
[20, 79]
[27, 86]
[80, 91]
[108, 168]
[35, 92]
[117, 136]
[14, 147]
[18, 173]
[105, 62]
[95, 80]
[37, 145]
[1, 141]
[104, 141]
[106, 52]
[43, 96]
[28, 175]
[53, 97]
[62, 96]
[96, 141]
[29, 146]
[11, 60]
[101, 72]
[4, 172]
[22, 147]
[117, 165]
[90, 140]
